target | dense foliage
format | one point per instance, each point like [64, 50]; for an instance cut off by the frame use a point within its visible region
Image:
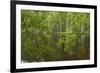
[54, 36]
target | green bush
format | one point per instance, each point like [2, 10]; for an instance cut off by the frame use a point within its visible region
[54, 36]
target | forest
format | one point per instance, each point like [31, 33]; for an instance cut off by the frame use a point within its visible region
[54, 36]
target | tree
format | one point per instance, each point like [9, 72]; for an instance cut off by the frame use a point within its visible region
[54, 36]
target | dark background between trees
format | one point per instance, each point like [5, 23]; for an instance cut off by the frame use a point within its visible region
[54, 36]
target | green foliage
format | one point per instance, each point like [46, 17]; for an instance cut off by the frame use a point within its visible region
[54, 36]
